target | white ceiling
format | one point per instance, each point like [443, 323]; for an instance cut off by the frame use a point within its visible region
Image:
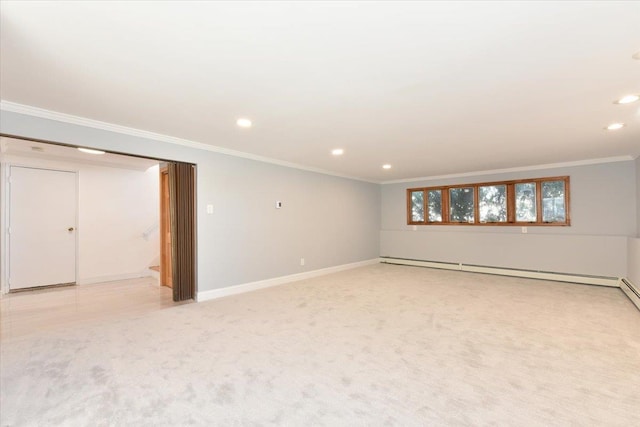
[24, 148]
[432, 88]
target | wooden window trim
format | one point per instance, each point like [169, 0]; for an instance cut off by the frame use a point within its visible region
[444, 205]
[511, 201]
[511, 215]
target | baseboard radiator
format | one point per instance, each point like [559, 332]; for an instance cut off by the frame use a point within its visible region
[531, 274]
[631, 291]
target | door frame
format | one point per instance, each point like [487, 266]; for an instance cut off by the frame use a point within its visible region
[4, 286]
[5, 206]
[166, 266]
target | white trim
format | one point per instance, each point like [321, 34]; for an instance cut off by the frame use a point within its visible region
[629, 293]
[276, 281]
[542, 275]
[113, 278]
[585, 162]
[96, 124]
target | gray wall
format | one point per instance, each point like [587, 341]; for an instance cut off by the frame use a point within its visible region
[633, 255]
[633, 268]
[327, 220]
[638, 196]
[603, 216]
[332, 221]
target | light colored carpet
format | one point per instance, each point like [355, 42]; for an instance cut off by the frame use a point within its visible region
[379, 345]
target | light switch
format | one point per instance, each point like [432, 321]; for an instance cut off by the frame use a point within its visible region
[209, 209]
[278, 204]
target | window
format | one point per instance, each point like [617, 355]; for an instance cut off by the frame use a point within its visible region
[417, 206]
[553, 201]
[526, 208]
[492, 203]
[461, 202]
[435, 205]
[539, 201]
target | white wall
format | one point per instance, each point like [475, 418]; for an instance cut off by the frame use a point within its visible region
[327, 220]
[115, 207]
[603, 217]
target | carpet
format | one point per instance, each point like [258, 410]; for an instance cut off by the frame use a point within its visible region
[381, 345]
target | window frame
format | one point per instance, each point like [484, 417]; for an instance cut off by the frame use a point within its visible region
[511, 203]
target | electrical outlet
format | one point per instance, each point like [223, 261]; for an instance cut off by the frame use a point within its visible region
[301, 261]
[209, 209]
[524, 230]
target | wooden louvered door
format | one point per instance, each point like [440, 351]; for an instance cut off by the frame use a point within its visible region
[181, 177]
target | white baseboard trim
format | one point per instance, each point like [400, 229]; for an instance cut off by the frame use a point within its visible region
[558, 277]
[261, 284]
[111, 278]
[631, 291]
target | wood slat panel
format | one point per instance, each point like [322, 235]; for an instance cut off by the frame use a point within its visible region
[182, 205]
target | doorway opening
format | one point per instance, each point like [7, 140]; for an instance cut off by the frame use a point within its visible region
[174, 244]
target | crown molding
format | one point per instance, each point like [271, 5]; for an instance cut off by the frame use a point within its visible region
[516, 169]
[96, 124]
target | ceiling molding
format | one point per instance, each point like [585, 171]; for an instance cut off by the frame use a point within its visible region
[82, 121]
[96, 124]
[516, 169]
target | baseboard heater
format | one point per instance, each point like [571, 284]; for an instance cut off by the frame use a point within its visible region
[631, 291]
[531, 274]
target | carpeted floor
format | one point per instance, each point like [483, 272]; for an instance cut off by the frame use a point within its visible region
[374, 346]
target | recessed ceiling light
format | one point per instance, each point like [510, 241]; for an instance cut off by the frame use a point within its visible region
[386, 166]
[615, 126]
[90, 150]
[337, 152]
[244, 123]
[628, 99]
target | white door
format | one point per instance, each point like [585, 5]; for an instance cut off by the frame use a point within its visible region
[42, 227]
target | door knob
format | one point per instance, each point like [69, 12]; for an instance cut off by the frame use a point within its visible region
[70, 229]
